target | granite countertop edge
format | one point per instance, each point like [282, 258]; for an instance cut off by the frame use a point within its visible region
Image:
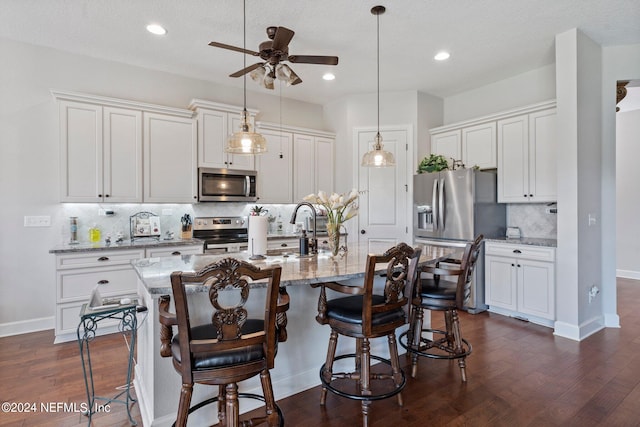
[533, 241]
[126, 245]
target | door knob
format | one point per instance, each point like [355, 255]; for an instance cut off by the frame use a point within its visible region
[363, 232]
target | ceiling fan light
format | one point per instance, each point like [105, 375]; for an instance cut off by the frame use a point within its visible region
[257, 75]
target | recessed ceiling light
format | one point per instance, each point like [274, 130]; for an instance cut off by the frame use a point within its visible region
[156, 29]
[441, 56]
[329, 76]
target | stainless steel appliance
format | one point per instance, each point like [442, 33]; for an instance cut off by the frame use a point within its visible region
[222, 234]
[450, 208]
[226, 185]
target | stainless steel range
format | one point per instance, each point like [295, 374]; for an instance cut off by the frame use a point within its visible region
[222, 234]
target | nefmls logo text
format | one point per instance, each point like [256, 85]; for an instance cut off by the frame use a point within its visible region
[82, 407]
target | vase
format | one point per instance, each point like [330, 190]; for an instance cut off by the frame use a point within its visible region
[333, 235]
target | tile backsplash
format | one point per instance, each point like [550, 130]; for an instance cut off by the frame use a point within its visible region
[170, 214]
[533, 220]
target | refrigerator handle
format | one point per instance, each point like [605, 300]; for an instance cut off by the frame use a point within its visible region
[441, 212]
[434, 204]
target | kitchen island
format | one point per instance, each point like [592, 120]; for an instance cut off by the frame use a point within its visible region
[299, 358]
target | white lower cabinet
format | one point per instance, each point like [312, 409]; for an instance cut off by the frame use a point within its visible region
[286, 244]
[520, 281]
[77, 273]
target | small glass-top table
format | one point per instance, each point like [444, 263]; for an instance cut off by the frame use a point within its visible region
[128, 324]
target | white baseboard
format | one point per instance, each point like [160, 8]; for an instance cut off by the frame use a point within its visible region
[26, 326]
[628, 274]
[578, 332]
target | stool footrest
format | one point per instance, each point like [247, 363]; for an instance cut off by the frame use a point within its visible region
[428, 347]
[367, 397]
[240, 396]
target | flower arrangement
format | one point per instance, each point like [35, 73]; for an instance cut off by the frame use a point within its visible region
[258, 211]
[339, 208]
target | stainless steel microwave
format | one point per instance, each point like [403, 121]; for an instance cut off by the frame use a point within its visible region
[226, 185]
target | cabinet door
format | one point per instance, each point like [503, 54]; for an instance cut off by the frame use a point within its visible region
[80, 152]
[479, 146]
[536, 289]
[212, 137]
[275, 174]
[170, 160]
[304, 166]
[543, 163]
[324, 164]
[513, 160]
[240, 161]
[447, 144]
[500, 282]
[164, 251]
[122, 155]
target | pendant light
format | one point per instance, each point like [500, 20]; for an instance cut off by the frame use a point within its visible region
[245, 141]
[378, 157]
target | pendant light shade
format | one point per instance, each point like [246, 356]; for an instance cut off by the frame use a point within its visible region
[378, 157]
[245, 141]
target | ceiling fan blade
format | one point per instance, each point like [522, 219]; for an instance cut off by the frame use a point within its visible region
[234, 48]
[282, 38]
[312, 59]
[249, 69]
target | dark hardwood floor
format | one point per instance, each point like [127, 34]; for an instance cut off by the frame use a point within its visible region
[519, 375]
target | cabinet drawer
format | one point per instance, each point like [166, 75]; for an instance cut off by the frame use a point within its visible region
[68, 319]
[283, 244]
[76, 285]
[540, 253]
[174, 251]
[98, 259]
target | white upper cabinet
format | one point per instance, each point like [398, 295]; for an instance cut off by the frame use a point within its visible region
[275, 168]
[216, 122]
[527, 158]
[170, 159]
[479, 146]
[101, 153]
[447, 144]
[324, 164]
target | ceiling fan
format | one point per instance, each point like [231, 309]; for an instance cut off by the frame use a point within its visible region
[273, 52]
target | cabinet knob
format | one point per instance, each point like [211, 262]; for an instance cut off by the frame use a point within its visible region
[284, 245]
[103, 258]
[363, 232]
[106, 195]
[99, 195]
[530, 195]
[102, 282]
[517, 251]
[524, 195]
[175, 253]
[513, 265]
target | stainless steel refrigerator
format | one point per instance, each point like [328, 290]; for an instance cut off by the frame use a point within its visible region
[450, 208]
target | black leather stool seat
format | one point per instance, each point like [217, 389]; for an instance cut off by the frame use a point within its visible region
[439, 294]
[349, 310]
[221, 358]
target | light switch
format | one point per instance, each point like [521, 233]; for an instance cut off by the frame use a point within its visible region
[37, 221]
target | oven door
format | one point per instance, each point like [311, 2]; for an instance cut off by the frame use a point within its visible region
[224, 248]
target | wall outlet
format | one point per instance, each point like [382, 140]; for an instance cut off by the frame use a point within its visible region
[37, 221]
[592, 220]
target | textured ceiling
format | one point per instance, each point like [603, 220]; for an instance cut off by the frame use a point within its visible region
[489, 40]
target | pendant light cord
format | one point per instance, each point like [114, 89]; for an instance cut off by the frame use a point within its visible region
[378, 67]
[244, 54]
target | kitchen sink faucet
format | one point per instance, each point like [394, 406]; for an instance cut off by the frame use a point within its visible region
[314, 241]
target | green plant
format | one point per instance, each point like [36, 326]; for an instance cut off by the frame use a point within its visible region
[258, 210]
[433, 163]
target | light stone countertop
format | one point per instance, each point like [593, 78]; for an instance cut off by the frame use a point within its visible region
[127, 244]
[154, 273]
[533, 241]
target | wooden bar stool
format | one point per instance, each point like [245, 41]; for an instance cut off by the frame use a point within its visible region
[364, 315]
[436, 294]
[233, 347]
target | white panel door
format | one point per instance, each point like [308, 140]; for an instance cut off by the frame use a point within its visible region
[382, 218]
[447, 144]
[304, 166]
[479, 146]
[500, 279]
[513, 160]
[542, 156]
[275, 176]
[324, 164]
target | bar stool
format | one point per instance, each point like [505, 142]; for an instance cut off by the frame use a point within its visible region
[233, 347]
[364, 315]
[446, 296]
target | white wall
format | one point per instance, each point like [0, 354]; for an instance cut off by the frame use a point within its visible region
[523, 89]
[29, 171]
[618, 63]
[628, 194]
